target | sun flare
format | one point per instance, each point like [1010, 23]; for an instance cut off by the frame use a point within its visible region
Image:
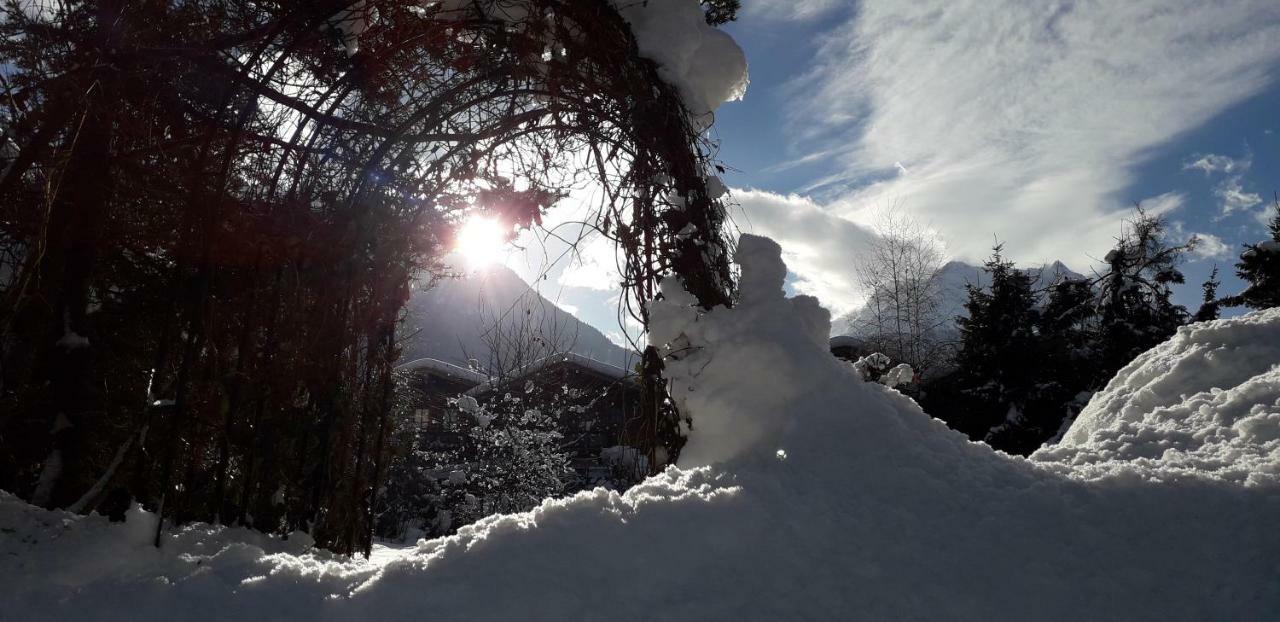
[480, 241]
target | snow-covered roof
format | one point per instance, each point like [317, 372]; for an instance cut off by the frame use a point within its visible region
[444, 369]
[842, 341]
[600, 367]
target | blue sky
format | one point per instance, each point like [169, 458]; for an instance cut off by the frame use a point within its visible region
[1040, 122]
[1037, 122]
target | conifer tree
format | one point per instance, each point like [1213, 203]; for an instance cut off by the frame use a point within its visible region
[1134, 302]
[998, 354]
[1069, 346]
[1259, 266]
[1209, 308]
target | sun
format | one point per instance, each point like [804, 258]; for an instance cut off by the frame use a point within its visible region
[480, 241]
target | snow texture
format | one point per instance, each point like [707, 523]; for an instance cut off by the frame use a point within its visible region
[704, 64]
[612, 372]
[1206, 403]
[443, 368]
[804, 493]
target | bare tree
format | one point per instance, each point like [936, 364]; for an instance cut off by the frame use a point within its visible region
[900, 271]
[519, 335]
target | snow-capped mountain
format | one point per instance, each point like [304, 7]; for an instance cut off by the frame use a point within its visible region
[457, 320]
[952, 278]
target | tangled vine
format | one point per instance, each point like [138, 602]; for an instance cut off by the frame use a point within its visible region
[213, 210]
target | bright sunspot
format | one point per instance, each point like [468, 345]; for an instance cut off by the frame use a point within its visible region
[480, 241]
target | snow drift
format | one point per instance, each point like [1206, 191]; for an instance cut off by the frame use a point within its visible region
[1206, 403]
[805, 493]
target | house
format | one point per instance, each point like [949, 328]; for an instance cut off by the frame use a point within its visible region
[597, 406]
[429, 385]
[849, 348]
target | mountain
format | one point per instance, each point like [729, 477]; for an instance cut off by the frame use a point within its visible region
[492, 320]
[952, 278]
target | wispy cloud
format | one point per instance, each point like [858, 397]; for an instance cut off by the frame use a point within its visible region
[1210, 246]
[1266, 213]
[1212, 163]
[789, 10]
[1023, 119]
[1163, 203]
[1233, 197]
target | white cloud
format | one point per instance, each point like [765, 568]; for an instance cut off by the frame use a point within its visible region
[566, 307]
[1233, 196]
[788, 10]
[594, 265]
[1266, 214]
[1022, 119]
[1163, 203]
[1210, 246]
[822, 249]
[1212, 163]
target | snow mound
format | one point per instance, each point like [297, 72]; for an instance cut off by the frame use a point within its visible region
[804, 493]
[1206, 403]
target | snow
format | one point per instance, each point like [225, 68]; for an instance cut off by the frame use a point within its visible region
[804, 493]
[443, 368]
[1206, 403]
[351, 22]
[602, 368]
[901, 374]
[704, 64]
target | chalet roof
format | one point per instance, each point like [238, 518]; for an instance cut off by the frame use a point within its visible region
[444, 369]
[599, 367]
[846, 341]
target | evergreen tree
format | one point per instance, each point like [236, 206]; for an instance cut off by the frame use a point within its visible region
[1134, 302]
[998, 358]
[1069, 347]
[1209, 308]
[1259, 266]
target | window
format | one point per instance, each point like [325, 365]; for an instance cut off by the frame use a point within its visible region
[422, 417]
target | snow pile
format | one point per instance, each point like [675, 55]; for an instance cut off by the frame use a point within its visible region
[1206, 403]
[705, 64]
[805, 493]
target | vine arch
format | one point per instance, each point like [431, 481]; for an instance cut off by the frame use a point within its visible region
[201, 194]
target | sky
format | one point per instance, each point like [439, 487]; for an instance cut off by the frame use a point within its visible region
[1037, 123]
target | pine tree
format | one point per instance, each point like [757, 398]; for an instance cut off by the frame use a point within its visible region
[1068, 334]
[1259, 266]
[1135, 308]
[998, 357]
[1209, 308]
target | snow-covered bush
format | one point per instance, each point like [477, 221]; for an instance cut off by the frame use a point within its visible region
[877, 367]
[503, 455]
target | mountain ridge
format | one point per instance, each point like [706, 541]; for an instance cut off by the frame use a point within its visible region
[492, 318]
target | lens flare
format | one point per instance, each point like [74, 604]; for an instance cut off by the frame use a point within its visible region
[480, 241]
